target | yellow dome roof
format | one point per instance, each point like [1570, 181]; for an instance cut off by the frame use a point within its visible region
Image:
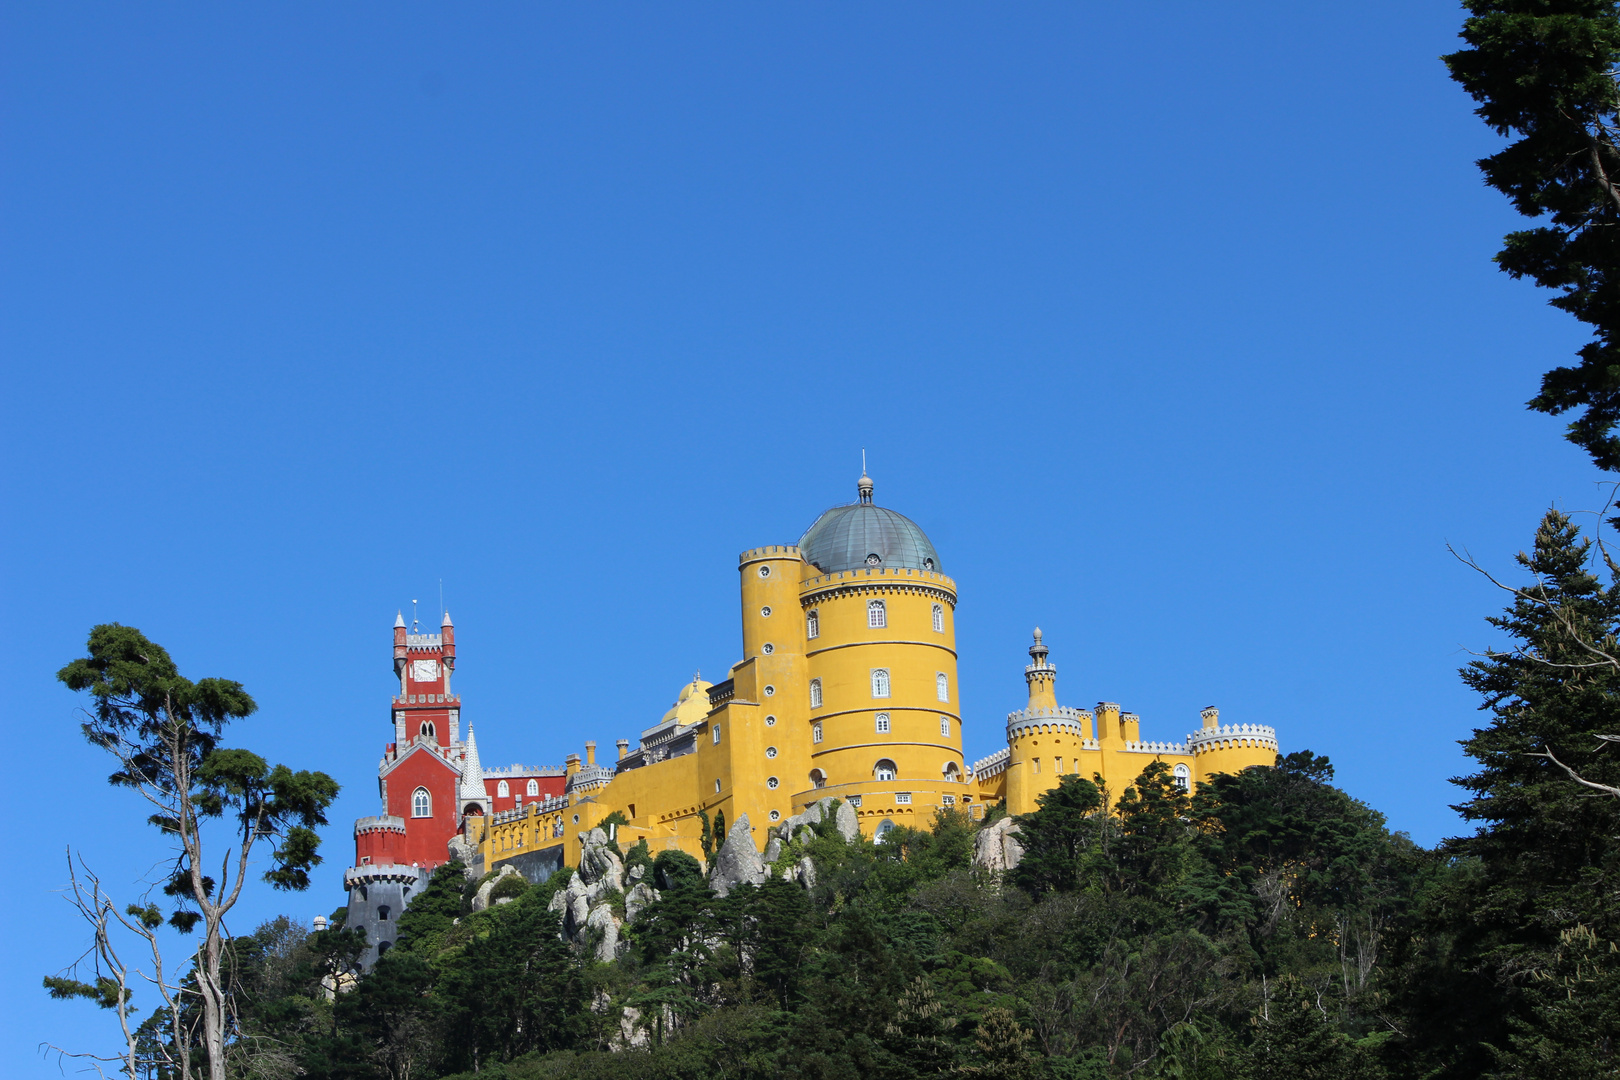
[692, 705]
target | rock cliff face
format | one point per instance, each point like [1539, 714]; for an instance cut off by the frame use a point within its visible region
[589, 914]
[737, 861]
[996, 847]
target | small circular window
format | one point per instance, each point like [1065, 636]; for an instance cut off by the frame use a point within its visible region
[773, 783]
[765, 612]
[765, 571]
[770, 721]
[928, 564]
[767, 648]
[770, 691]
[770, 751]
[776, 815]
[576, 819]
[874, 559]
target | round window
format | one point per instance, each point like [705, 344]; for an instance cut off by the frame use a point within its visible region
[765, 612]
[767, 648]
[770, 751]
[770, 721]
[873, 559]
[770, 691]
[773, 783]
[776, 815]
[928, 564]
[576, 819]
[765, 571]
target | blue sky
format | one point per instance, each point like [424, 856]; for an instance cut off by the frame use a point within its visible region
[1173, 325]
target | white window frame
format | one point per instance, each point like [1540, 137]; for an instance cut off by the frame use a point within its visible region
[939, 618]
[818, 779]
[812, 624]
[772, 782]
[882, 685]
[421, 803]
[942, 686]
[902, 798]
[715, 731]
[1183, 778]
[815, 733]
[882, 723]
[815, 693]
[877, 615]
[945, 727]
[502, 790]
[534, 787]
[948, 800]
[879, 769]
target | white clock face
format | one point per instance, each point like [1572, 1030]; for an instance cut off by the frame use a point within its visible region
[425, 670]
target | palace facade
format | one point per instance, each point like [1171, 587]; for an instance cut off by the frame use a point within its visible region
[847, 688]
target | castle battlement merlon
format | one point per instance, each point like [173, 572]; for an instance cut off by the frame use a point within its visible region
[1157, 748]
[1059, 718]
[769, 551]
[996, 763]
[379, 823]
[373, 874]
[1230, 735]
[423, 641]
[511, 771]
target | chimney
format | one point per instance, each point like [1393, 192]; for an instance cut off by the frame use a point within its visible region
[590, 752]
[571, 764]
[624, 748]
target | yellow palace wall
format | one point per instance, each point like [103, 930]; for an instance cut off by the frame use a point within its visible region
[757, 751]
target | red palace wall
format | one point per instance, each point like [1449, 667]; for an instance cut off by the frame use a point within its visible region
[426, 839]
[550, 787]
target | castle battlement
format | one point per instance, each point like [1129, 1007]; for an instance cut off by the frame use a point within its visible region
[1156, 748]
[994, 765]
[1233, 735]
[544, 806]
[1062, 718]
[513, 771]
[369, 874]
[379, 823]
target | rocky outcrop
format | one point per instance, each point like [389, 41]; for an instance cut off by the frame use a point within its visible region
[589, 914]
[996, 847]
[844, 819]
[737, 861]
[480, 899]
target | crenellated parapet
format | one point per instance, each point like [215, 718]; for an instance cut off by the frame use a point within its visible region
[385, 873]
[590, 778]
[1059, 718]
[815, 590]
[548, 805]
[987, 768]
[1157, 748]
[1231, 737]
[379, 823]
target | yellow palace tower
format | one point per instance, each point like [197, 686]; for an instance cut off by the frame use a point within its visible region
[846, 688]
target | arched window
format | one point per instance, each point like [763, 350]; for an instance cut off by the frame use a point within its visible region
[812, 625]
[427, 729]
[382, 912]
[953, 772]
[883, 831]
[815, 733]
[384, 947]
[942, 687]
[421, 803]
[815, 693]
[818, 778]
[876, 614]
[1183, 777]
[502, 790]
[945, 726]
[534, 787]
[884, 769]
[716, 730]
[880, 682]
[939, 618]
[928, 564]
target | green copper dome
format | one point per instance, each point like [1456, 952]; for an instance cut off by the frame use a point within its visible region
[862, 535]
